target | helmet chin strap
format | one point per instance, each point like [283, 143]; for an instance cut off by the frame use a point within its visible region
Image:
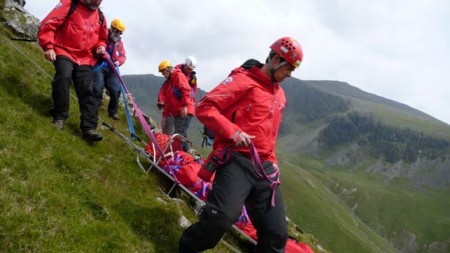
[273, 69]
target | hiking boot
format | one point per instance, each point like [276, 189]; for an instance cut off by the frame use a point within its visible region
[58, 123]
[114, 116]
[91, 135]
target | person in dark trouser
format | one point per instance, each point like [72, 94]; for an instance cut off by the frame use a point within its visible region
[168, 122]
[106, 77]
[177, 99]
[70, 38]
[244, 113]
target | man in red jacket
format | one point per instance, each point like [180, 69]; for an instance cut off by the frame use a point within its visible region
[70, 41]
[244, 112]
[106, 77]
[167, 120]
[188, 69]
[177, 102]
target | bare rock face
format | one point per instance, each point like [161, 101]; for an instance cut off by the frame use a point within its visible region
[18, 20]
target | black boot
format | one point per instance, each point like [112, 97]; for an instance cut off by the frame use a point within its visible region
[91, 135]
[186, 244]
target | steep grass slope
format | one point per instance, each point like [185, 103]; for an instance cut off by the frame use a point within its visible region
[311, 204]
[59, 193]
[358, 211]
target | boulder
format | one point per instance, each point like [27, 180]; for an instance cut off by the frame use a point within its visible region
[14, 16]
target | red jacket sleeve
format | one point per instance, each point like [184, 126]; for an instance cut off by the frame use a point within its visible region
[51, 23]
[216, 108]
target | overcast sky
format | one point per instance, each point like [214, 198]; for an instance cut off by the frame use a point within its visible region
[396, 49]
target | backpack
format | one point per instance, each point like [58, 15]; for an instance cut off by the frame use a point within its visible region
[248, 64]
[73, 6]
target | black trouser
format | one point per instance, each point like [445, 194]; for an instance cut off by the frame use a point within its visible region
[236, 184]
[82, 77]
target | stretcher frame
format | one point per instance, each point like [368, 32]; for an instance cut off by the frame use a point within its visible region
[168, 151]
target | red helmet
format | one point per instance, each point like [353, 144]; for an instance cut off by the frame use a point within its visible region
[289, 49]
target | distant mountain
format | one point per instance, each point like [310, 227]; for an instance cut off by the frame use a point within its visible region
[345, 90]
[341, 112]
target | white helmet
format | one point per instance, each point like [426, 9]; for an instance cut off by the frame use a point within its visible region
[191, 62]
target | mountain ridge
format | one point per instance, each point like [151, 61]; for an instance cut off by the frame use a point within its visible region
[331, 87]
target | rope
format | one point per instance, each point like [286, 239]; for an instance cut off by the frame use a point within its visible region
[127, 112]
[35, 64]
[136, 108]
[26, 56]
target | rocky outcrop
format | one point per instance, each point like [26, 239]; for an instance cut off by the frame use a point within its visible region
[423, 173]
[13, 15]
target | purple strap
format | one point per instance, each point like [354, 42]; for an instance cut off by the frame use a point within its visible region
[261, 173]
[202, 191]
[244, 216]
[136, 108]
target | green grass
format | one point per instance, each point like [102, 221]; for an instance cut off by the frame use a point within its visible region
[321, 213]
[380, 209]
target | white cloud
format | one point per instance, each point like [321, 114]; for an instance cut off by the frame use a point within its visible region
[395, 49]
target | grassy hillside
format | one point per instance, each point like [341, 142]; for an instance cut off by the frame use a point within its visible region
[311, 204]
[62, 194]
[364, 210]
[380, 165]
